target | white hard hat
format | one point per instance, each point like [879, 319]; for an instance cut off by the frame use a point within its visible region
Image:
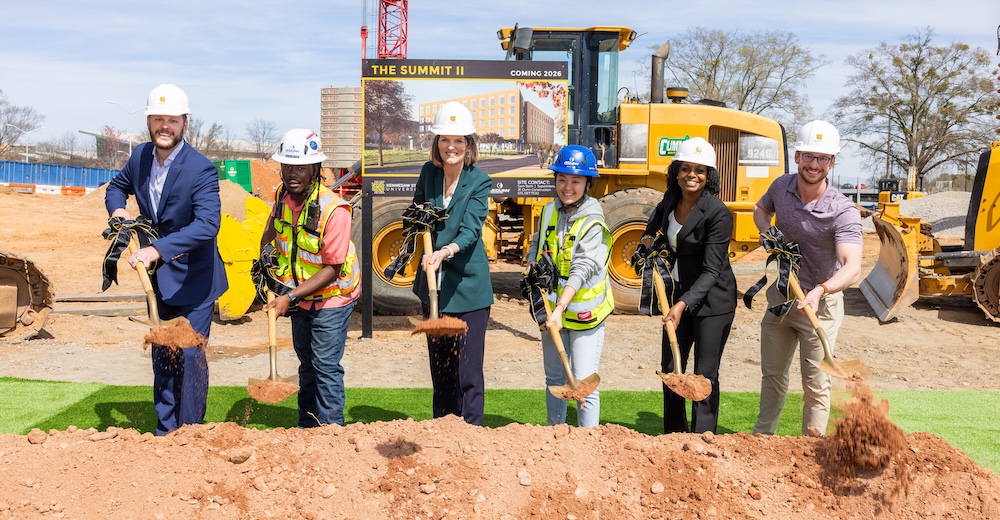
[167, 100]
[300, 146]
[453, 119]
[696, 150]
[819, 137]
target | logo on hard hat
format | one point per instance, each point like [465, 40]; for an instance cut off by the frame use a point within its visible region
[163, 99]
[697, 150]
[819, 137]
[452, 119]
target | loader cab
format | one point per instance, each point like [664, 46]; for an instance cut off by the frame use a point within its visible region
[592, 57]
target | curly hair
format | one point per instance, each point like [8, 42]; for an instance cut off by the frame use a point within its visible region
[713, 184]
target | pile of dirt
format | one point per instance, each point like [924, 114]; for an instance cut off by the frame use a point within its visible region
[265, 178]
[231, 194]
[445, 468]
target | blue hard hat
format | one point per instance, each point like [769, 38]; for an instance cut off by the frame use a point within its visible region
[575, 160]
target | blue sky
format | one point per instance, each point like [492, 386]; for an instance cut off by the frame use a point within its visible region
[242, 60]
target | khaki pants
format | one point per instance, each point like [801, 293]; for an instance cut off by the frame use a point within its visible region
[779, 338]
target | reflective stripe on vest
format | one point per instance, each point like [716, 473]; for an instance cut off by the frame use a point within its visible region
[593, 301]
[299, 244]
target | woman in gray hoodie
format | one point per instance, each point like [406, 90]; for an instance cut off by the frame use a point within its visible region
[573, 233]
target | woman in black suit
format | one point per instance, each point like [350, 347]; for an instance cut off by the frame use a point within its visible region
[697, 226]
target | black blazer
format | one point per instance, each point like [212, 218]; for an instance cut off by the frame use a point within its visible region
[707, 283]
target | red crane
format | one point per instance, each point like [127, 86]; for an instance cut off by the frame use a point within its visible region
[393, 21]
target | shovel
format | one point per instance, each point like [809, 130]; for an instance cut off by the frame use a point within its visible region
[275, 388]
[434, 325]
[852, 370]
[573, 390]
[152, 310]
[175, 333]
[694, 387]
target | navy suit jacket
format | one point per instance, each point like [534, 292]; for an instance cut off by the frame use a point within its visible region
[707, 285]
[466, 285]
[187, 221]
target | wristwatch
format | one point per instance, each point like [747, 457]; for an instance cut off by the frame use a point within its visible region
[292, 298]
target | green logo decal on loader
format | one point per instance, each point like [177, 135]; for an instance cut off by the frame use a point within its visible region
[668, 145]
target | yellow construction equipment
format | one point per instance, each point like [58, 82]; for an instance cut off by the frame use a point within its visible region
[25, 297]
[239, 246]
[634, 143]
[912, 263]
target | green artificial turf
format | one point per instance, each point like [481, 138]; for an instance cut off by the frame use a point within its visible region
[969, 420]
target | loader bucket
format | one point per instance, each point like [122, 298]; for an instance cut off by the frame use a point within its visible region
[239, 246]
[893, 283]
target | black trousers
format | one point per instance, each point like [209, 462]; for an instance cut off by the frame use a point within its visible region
[457, 368]
[708, 335]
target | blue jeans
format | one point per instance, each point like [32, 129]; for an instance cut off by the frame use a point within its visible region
[583, 348]
[318, 337]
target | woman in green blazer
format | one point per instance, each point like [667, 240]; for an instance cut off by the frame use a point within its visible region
[449, 180]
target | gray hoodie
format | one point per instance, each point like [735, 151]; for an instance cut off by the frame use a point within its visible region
[590, 252]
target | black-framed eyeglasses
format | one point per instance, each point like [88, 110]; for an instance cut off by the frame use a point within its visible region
[823, 160]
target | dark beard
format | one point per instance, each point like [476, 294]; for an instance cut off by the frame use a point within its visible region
[173, 142]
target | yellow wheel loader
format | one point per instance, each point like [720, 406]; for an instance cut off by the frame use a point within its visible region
[912, 263]
[634, 143]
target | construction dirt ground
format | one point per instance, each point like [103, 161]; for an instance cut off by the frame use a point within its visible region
[447, 469]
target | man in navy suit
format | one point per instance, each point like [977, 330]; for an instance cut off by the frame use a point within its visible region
[177, 188]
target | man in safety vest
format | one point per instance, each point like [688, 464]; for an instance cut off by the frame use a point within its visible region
[310, 227]
[572, 230]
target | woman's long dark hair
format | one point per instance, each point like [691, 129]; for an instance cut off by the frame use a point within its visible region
[713, 184]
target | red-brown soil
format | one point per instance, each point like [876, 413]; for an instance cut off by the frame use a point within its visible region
[447, 469]
[863, 468]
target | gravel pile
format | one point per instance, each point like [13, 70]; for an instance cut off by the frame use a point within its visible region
[945, 211]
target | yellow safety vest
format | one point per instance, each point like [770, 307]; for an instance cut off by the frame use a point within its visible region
[299, 244]
[593, 301]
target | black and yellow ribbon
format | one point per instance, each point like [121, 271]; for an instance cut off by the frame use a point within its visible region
[788, 257]
[661, 258]
[417, 218]
[539, 279]
[120, 232]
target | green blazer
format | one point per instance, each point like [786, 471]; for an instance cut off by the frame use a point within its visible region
[465, 284]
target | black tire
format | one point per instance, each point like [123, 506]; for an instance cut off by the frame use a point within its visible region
[390, 298]
[626, 213]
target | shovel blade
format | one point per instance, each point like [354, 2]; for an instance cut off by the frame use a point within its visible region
[851, 370]
[584, 387]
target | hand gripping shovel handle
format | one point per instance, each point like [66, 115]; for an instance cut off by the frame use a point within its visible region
[432, 289]
[852, 370]
[661, 298]
[147, 285]
[557, 339]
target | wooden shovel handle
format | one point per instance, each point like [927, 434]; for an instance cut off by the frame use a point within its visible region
[557, 339]
[661, 296]
[140, 267]
[428, 249]
[793, 284]
[272, 319]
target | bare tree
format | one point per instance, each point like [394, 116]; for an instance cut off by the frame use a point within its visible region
[262, 135]
[762, 72]
[231, 146]
[15, 121]
[112, 151]
[387, 110]
[915, 104]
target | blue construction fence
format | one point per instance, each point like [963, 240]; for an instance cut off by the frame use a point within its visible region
[54, 174]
